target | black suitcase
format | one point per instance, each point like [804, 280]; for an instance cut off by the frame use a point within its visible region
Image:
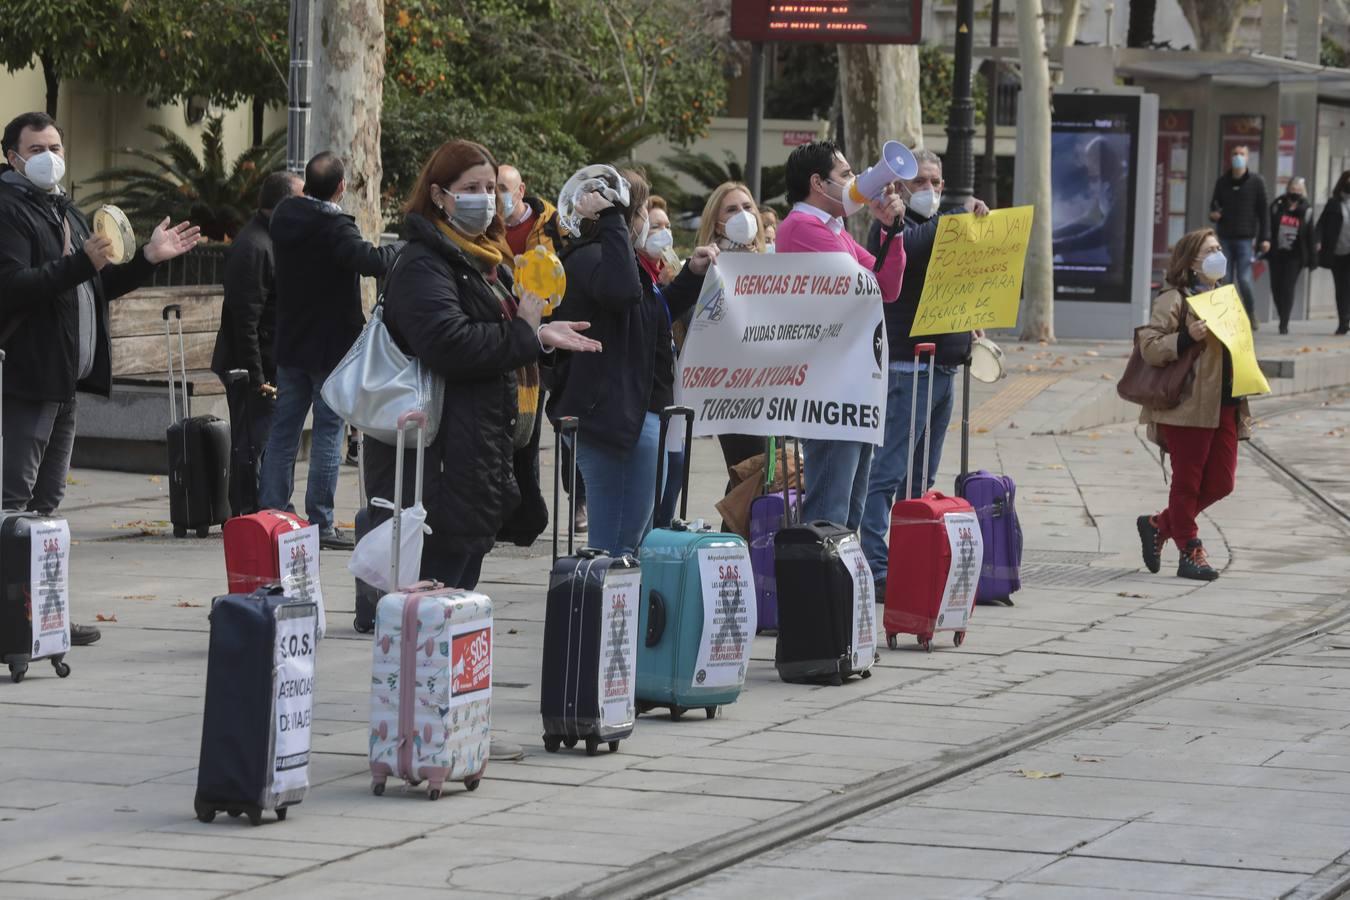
[199, 454]
[816, 606]
[34, 593]
[259, 701]
[589, 674]
[367, 597]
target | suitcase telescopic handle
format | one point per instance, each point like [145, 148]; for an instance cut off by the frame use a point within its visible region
[919, 351]
[177, 312]
[567, 425]
[667, 414]
[413, 418]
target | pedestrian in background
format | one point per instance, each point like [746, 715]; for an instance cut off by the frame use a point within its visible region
[618, 394]
[1242, 217]
[658, 258]
[320, 256]
[890, 475]
[248, 322]
[1202, 432]
[769, 220]
[1293, 248]
[1333, 247]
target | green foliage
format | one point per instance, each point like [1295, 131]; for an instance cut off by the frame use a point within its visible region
[412, 127]
[803, 87]
[936, 68]
[423, 38]
[178, 184]
[1334, 53]
[68, 36]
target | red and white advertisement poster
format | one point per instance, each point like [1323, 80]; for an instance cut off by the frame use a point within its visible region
[1284, 164]
[470, 661]
[1169, 190]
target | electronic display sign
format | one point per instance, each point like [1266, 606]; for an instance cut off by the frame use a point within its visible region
[828, 21]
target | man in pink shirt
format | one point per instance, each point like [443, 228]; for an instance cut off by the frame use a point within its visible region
[817, 176]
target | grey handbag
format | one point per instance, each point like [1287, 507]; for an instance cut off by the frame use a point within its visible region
[376, 383]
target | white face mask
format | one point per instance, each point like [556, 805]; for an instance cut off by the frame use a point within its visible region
[741, 228]
[659, 241]
[924, 202]
[473, 212]
[640, 239]
[768, 248]
[1214, 266]
[45, 170]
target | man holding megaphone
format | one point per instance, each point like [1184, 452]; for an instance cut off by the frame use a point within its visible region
[823, 190]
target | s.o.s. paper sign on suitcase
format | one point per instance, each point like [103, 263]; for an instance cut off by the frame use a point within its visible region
[50, 580]
[864, 635]
[294, 700]
[470, 661]
[963, 577]
[618, 629]
[729, 615]
[298, 559]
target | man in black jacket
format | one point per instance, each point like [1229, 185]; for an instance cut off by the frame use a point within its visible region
[55, 284]
[1241, 215]
[320, 257]
[890, 473]
[248, 321]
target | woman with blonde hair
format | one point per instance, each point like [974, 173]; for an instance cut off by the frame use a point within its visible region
[1203, 430]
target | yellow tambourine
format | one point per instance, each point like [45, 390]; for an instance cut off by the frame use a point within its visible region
[540, 272]
[111, 223]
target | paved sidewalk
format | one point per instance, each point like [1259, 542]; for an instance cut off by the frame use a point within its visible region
[96, 786]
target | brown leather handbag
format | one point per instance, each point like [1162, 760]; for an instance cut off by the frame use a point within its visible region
[1157, 387]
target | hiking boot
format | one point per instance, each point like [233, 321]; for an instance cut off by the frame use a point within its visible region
[84, 635]
[1195, 564]
[336, 539]
[1151, 541]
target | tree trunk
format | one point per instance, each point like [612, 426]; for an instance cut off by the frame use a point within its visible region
[880, 89]
[348, 84]
[1038, 304]
[1070, 13]
[53, 80]
[1142, 14]
[259, 108]
[1215, 22]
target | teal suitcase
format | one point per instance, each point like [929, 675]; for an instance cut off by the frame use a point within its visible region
[698, 615]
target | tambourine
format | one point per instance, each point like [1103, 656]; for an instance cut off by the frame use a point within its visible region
[111, 223]
[599, 177]
[986, 361]
[540, 272]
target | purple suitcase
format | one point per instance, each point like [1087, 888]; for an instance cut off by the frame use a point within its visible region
[766, 517]
[994, 498]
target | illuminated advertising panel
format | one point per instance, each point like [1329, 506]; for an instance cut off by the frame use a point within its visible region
[828, 21]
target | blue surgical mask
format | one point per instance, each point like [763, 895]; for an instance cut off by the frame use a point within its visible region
[1239, 161]
[508, 205]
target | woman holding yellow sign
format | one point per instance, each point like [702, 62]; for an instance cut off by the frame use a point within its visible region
[1202, 430]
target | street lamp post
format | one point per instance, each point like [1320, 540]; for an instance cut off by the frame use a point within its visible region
[960, 163]
[989, 187]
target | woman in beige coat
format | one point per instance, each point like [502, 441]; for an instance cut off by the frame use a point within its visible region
[1202, 432]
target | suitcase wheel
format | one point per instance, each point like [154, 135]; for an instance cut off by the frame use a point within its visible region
[592, 745]
[254, 816]
[434, 794]
[676, 712]
[363, 627]
[203, 531]
[710, 711]
[179, 531]
[377, 787]
[569, 742]
[835, 680]
[62, 669]
[552, 742]
[16, 672]
[892, 641]
[926, 642]
[959, 638]
[865, 673]
[204, 812]
[471, 784]
[613, 746]
[281, 814]
[235, 813]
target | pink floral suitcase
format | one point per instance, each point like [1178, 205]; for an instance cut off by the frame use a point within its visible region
[431, 688]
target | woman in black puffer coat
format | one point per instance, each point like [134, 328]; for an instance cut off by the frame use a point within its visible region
[448, 302]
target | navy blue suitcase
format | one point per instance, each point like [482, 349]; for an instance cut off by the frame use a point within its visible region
[259, 702]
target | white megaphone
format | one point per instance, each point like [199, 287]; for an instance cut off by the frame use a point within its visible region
[896, 163]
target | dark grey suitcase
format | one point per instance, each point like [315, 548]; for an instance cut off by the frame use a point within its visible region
[199, 453]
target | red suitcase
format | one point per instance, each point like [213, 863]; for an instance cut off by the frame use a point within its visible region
[925, 592]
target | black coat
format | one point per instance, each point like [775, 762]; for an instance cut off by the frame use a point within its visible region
[1294, 212]
[919, 235]
[320, 257]
[439, 308]
[39, 308]
[1329, 226]
[612, 391]
[248, 317]
[1243, 207]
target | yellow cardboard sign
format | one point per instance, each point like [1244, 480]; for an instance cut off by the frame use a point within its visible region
[1227, 320]
[975, 274]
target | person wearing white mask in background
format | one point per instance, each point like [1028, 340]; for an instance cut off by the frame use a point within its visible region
[889, 476]
[658, 258]
[768, 220]
[1202, 431]
[56, 280]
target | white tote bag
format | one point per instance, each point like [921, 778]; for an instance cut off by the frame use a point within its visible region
[371, 561]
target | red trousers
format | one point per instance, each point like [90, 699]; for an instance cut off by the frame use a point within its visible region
[1204, 470]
